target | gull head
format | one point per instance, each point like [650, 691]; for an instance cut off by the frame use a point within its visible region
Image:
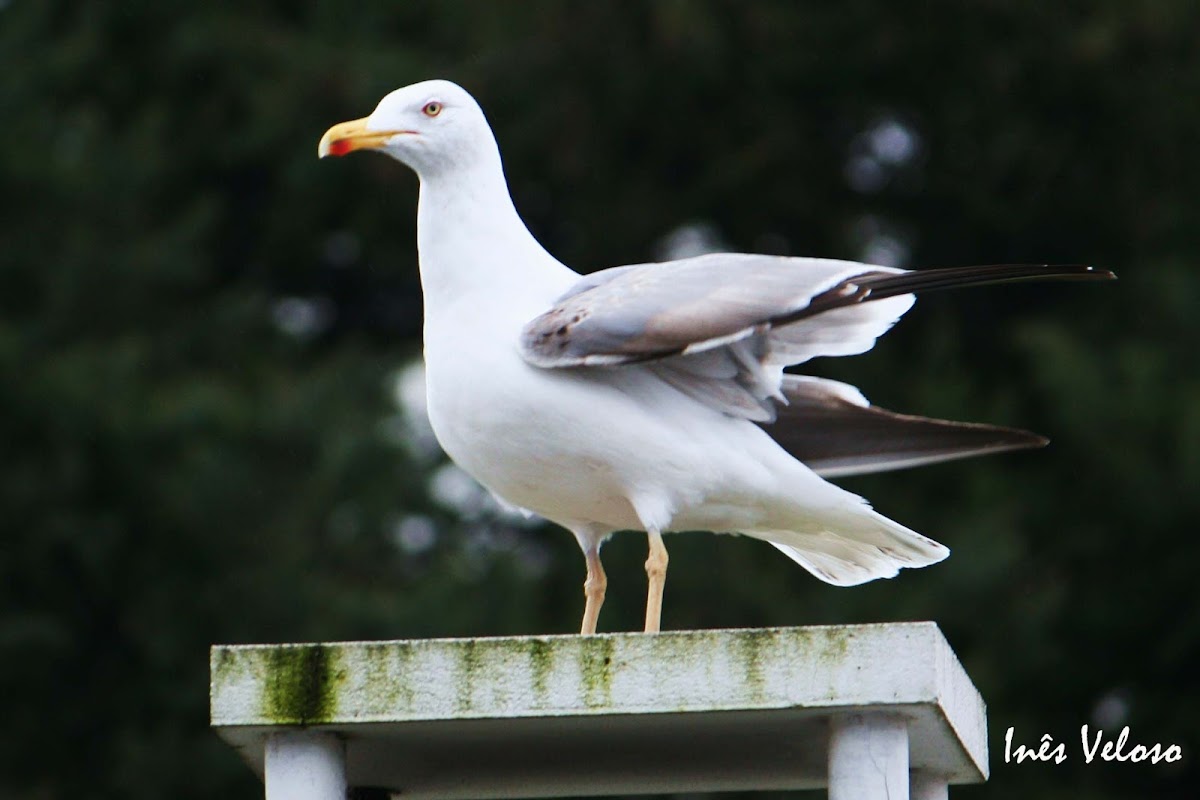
[432, 126]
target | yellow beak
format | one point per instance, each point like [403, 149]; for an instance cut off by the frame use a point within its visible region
[346, 137]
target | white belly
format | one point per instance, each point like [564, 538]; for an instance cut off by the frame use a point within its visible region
[526, 436]
[593, 446]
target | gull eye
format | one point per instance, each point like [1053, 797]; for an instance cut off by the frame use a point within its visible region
[432, 108]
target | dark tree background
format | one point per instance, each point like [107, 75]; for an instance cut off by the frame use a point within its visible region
[206, 340]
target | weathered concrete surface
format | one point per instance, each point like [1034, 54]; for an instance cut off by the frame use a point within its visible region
[610, 714]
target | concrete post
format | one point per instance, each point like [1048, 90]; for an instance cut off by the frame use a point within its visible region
[868, 757]
[928, 786]
[860, 709]
[305, 765]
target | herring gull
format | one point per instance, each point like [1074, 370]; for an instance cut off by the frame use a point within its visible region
[653, 397]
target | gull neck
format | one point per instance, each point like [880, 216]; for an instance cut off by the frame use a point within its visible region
[472, 241]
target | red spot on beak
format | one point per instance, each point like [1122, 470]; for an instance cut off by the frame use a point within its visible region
[339, 147]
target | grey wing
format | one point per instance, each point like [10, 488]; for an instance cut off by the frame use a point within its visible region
[645, 312]
[721, 327]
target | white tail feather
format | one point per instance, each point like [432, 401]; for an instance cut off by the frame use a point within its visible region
[862, 547]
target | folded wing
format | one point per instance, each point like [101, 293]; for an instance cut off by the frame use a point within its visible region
[722, 327]
[645, 312]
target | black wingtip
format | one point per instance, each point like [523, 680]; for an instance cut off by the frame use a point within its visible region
[1014, 438]
[1084, 272]
[882, 285]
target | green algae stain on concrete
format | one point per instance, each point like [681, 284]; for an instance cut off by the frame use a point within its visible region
[832, 648]
[300, 685]
[386, 667]
[750, 652]
[222, 663]
[540, 662]
[838, 640]
[470, 665]
[595, 670]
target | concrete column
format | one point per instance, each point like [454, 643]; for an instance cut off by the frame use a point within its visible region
[305, 765]
[928, 786]
[890, 704]
[868, 757]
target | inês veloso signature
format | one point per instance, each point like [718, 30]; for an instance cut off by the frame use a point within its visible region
[1094, 746]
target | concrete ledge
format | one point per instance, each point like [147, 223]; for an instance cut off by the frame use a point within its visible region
[611, 714]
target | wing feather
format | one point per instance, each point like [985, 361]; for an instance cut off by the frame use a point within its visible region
[721, 327]
[651, 311]
[831, 428]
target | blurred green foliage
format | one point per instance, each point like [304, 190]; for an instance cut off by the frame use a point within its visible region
[202, 329]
